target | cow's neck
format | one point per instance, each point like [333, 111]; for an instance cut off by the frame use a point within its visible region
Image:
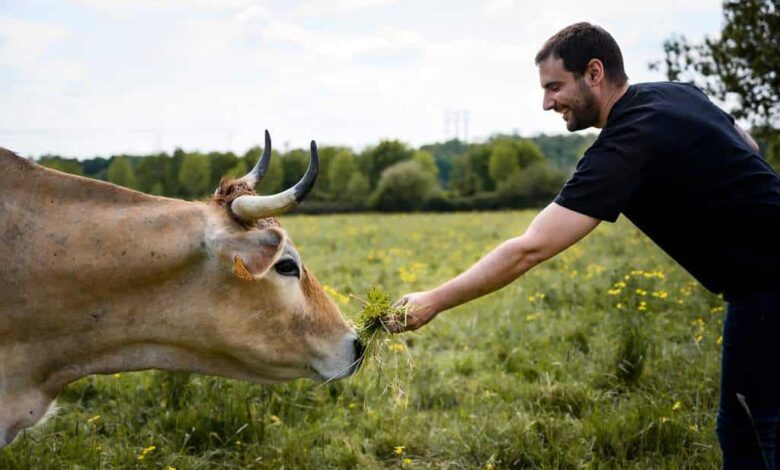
[82, 263]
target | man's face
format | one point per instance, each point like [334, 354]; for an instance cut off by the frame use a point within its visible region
[569, 95]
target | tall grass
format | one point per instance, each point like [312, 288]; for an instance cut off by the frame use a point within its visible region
[566, 368]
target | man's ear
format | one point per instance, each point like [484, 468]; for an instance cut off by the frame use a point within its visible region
[251, 254]
[594, 72]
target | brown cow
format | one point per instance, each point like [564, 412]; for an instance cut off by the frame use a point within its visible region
[97, 279]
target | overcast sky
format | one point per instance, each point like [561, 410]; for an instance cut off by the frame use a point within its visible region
[82, 78]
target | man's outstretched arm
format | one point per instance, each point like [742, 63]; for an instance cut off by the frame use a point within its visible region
[552, 231]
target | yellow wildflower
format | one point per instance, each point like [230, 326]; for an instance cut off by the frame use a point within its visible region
[93, 419]
[146, 451]
[407, 461]
[397, 347]
[677, 405]
[399, 450]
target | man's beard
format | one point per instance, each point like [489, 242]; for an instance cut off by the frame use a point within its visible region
[584, 113]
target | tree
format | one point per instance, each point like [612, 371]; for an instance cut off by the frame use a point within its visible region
[357, 189]
[327, 155]
[404, 186]
[294, 165]
[427, 162]
[463, 179]
[195, 175]
[274, 175]
[533, 186]
[375, 160]
[503, 161]
[743, 63]
[528, 153]
[236, 171]
[152, 173]
[445, 154]
[66, 165]
[219, 164]
[120, 172]
[342, 168]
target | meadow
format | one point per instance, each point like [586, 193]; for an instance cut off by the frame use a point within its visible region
[604, 357]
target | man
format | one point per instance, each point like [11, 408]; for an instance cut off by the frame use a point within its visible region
[684, 173]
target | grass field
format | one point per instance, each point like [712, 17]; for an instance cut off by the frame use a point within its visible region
[605, 357]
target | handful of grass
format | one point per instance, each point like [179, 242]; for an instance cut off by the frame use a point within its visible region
[374, 326]
[378, 317]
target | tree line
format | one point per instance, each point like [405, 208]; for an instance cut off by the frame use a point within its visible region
[506, 171]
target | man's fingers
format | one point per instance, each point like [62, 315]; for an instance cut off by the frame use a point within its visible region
[401, 302]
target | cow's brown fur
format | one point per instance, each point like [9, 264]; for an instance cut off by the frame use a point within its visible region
[96, 278]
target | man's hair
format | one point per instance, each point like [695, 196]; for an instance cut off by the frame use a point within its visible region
[577, 44]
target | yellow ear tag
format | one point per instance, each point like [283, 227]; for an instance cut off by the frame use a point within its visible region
[240, 270]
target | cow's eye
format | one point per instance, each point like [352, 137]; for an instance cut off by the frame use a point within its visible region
[287, 267]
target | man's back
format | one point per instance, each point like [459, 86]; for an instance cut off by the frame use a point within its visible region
[674, 164]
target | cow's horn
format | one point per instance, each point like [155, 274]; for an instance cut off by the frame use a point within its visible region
[257, 207]
[257, 173]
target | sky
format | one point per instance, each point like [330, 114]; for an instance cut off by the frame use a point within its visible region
[84, 78]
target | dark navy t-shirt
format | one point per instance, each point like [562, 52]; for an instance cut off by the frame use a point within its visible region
[672, 162]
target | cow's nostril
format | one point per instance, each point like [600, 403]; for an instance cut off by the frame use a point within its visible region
[360, 351]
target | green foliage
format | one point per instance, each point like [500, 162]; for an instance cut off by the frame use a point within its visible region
[219, 166]
[327, 156]
[294, 165]
[444, 154]
[195, 175]
[154, 174]
[503, 162]
[463, 180]
[342, 168]
[237, 171]
[343, 183]
[564, 151]
[536, 185]
[375, 160]
[65, 165]
[404, 186]
[743, 61]
[274, 175]
[357, 188]
[523, 378]
[120, 172]
[427, 162]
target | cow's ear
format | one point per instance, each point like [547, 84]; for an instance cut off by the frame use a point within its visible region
[251, 254]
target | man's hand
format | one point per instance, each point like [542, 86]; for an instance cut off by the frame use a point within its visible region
[421, 309]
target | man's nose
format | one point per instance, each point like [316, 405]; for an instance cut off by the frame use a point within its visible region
[548, 103]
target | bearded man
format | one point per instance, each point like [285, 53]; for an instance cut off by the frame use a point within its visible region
[692, 180]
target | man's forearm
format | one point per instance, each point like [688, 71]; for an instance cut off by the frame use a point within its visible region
[498, 268]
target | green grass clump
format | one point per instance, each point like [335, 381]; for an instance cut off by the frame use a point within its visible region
[378, 317]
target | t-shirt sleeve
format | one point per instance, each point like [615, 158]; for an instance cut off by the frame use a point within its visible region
[602, 185]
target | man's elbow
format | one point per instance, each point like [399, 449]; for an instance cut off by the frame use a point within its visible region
[527, 253]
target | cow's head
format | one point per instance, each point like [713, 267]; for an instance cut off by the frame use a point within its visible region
[277, 320]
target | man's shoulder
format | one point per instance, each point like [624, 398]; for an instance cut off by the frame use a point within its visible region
[667, 90]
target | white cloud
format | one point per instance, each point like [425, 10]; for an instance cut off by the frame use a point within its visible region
[333, 7]
[220, 72]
